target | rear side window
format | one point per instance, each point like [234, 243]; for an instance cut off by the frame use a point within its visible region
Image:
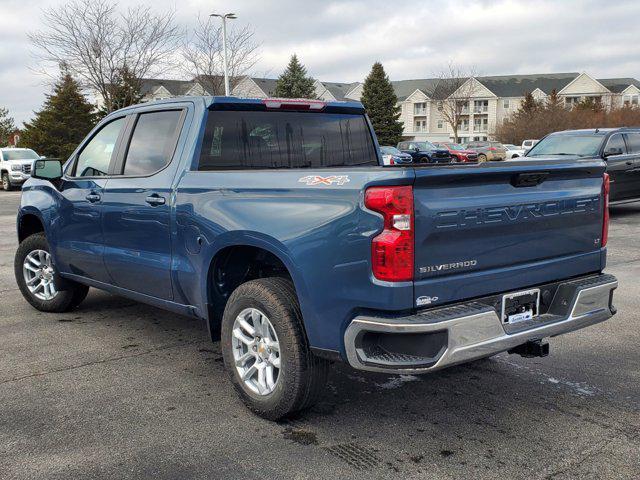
[153, 142]
[633, 142]
[258, 140]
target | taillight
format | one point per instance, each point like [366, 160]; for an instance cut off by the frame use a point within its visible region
[392, 249]
[606, 186]
[493, 149]
[391, 162]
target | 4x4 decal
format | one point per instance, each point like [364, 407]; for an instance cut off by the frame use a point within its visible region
[318, 180]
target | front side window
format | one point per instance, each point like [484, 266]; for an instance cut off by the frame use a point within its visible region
[153, 142]
[259, 140]
[95, 157]
[616, 143]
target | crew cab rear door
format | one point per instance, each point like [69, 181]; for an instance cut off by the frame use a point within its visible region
[495, 227]
[137, 202]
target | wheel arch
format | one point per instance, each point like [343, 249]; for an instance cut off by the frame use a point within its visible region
[28, 224]
[238, 259]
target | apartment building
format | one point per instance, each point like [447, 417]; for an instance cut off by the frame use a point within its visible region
[487, 100]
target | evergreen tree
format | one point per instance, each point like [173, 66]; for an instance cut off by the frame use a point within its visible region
[64, 120]
[381, 104]
[294, 83]
[530, 105]
[124, 91]
[7, 127]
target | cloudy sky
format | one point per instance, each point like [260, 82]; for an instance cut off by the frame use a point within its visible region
[339, 40]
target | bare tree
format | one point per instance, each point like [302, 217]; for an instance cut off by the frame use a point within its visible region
[202, 54]
[454, 92]
[96, 42]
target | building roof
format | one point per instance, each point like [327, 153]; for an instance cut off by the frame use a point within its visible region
[519, 85]
[174, 87]
[339, 90]
[404, 88]
[618, 85]
[268, 85]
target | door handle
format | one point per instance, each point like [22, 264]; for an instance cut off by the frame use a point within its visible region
[630, 162]
[93, 197]
[155, 199]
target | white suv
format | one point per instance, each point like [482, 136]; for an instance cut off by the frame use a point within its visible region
[15, 166]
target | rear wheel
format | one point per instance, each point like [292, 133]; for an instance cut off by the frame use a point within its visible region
[266, 352]
[6, 182]
[35, 275]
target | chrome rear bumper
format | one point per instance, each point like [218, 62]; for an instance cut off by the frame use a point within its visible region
[461, 333]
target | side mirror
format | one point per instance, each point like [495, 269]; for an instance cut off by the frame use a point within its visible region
[416, 149]
[612, 151]
[47, 169]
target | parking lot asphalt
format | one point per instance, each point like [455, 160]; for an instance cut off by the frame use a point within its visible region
[117, 389]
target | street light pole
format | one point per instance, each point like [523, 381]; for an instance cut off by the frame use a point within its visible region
[224, 18]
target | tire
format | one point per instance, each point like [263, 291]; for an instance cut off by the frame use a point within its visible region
[62, 300]
[482, 158]
[6, 182]
[301, 376]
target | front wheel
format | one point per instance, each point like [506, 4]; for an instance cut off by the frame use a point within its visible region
[482, 158]
[35, 275]
[265, 349]
[6, 182]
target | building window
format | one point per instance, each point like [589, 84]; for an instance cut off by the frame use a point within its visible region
[464, 125]
[440, 124]
[480, 124]
[572, 101]
[420, 126]
[630, 100]
[420, 108]
[463, 107]
[505, 104]
[480, 106]
[440, 106]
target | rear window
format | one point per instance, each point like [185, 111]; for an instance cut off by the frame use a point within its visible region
[259, 140]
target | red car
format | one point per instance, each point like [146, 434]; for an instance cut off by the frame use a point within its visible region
[459, 152]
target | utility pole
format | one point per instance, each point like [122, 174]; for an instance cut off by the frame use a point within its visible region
[224, 18]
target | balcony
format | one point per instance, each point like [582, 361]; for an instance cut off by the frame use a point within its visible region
[483, 109]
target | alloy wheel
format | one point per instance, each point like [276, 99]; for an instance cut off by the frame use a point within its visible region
[256, 351]
[38, 275]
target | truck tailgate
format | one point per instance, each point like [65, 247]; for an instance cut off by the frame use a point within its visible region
[483, 229]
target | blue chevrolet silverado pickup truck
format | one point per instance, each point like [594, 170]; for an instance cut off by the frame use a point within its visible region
[276, 223]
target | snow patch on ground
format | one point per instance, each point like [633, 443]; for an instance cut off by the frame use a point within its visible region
[397, 382]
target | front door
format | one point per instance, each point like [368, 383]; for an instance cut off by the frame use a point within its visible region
[77, 239]
[137, 205]
[619, 164]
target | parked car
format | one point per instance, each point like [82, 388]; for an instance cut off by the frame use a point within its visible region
[459, 152]
[15, 166]
[274, 222]
[527, 144]
[513, 151]
[488, 151]
[618, 147]
[393, 156]
[425, 152]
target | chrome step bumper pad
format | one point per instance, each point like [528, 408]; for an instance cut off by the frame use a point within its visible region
[474, 330]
